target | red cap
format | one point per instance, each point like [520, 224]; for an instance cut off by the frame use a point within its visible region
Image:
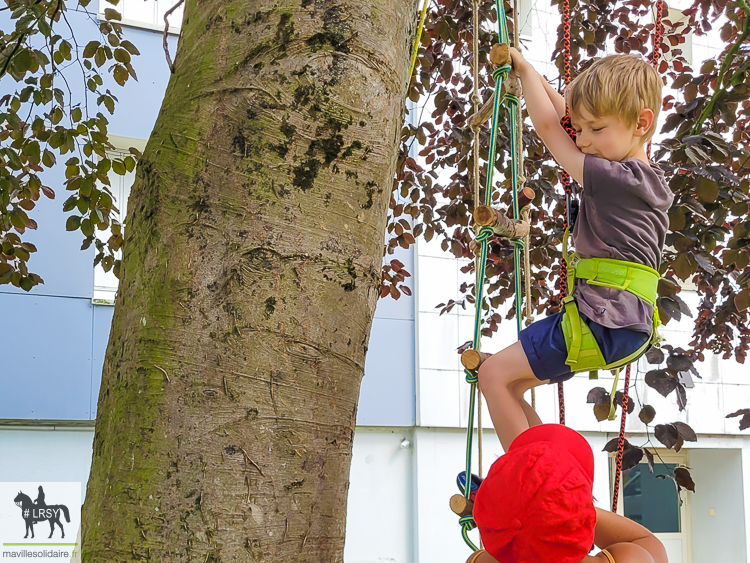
[536, 505]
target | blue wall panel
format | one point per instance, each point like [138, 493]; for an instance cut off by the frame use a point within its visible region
[387, 396]
[46, 368]
[65, 268]
[139, 102]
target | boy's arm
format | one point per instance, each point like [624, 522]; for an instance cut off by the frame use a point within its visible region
[557, 100]
[544, 117]
[613, 529]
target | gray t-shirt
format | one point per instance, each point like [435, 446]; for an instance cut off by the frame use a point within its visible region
[623, 216]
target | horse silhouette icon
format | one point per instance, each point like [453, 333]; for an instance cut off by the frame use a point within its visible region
[33, 512]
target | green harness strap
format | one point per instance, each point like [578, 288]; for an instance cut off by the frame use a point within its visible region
[584, 353]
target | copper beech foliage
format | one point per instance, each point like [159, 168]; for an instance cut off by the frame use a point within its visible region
[57, 110]
[703, 152]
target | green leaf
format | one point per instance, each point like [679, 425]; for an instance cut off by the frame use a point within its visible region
[70, 203]
[129, 163]
[73, 222]
[742, 300]
[76, 114]
[86, 186]
[48, 159]
[707, 190]
[109, 103]
[22, 254]
[122, 55]
[31, 150]
[90, 49]
[121, 76]
[111, 14]
[118, 167]
[130, 47]
[22, 61]
[87, 227]
[82, 205]
[18, 219]
[44, 27]
[100, 58]
[65, 50]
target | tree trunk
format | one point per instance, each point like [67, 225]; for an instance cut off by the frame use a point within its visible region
[249, 281]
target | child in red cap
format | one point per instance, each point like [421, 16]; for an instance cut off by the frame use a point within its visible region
[535, 506]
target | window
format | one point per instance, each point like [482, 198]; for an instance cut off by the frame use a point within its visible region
[524, 18]
[146, 13]
[678, 21]
[105, 283]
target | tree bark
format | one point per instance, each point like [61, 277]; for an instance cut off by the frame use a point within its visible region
[250, 275]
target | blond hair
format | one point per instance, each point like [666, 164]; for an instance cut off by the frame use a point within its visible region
[621, 85]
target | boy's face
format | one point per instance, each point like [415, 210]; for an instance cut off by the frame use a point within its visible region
[609, 137]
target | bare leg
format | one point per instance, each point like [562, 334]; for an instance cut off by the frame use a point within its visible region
[531, 415]
[500, 378]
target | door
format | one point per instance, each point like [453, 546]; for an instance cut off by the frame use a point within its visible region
[653, 502]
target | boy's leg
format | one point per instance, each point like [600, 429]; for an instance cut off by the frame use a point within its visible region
[501, 377]
[531, 415]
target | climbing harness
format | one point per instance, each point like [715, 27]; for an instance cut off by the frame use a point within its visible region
[584, 353]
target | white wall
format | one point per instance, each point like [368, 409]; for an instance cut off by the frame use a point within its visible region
[46, 454]
[380, 508]
[717, 510]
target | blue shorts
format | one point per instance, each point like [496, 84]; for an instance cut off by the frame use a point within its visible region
[544, 345]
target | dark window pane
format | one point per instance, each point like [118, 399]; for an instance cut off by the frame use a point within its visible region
[650, 501]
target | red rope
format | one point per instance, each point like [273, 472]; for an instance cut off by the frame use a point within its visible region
[565, 177]
[655, 54]
[621, 440]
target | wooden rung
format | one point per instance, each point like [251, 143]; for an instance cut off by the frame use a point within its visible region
[525, 197]
[461, 505]
[486, 216]
[510, 86]
[472, 359]
[500, 54]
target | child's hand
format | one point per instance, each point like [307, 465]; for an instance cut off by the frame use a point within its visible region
[517, 59]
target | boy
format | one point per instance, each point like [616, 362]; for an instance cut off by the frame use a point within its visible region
[613, 105]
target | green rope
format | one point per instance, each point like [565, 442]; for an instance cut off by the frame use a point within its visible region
[513, 104]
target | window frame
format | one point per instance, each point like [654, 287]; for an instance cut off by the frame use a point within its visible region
[103, 293]
[173, 29]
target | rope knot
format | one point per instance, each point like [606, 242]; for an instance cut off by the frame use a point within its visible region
[501, 72]
[471, 377]
[467, 522]
[511, 99]
[484, 234]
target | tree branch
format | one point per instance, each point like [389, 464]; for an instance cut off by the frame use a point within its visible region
[166, 30]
